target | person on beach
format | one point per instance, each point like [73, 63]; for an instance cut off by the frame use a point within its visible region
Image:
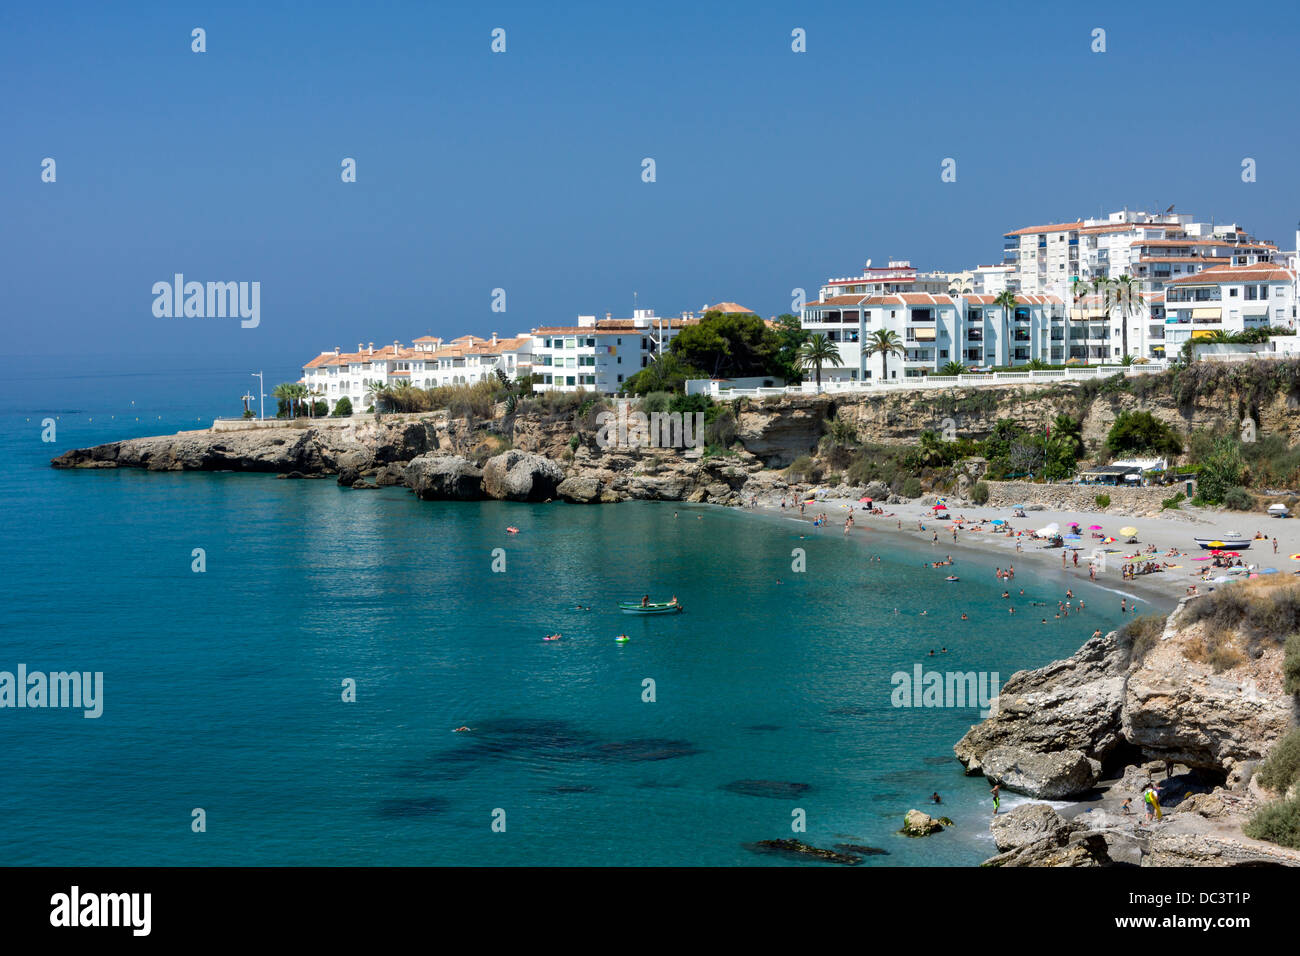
[1152, 797]
[1076, 559]
[1127, 806]
[1123, 605]
[1092, 572]
[1275, 545]
[997, 800]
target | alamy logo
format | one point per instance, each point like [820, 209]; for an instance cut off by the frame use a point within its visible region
[75, 908]
[656, 430]
[923, 688]
[72, 689]
[213, 300]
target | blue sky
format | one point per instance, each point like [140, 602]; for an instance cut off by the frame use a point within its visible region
[522, 170]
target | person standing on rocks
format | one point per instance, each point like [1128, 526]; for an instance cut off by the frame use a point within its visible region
[997, 800]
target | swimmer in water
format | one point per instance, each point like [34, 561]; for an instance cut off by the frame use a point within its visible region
[461, 730]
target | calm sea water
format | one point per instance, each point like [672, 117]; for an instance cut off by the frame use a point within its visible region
[223, 689]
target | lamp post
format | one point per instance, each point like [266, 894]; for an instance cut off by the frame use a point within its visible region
[261, 396]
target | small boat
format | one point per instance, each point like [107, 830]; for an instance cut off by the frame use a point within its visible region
[622, 639]
[629, 607]
[1231, 541]
[952, 577]
[1279, 510]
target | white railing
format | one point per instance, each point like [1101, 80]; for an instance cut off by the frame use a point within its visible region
[946, 381]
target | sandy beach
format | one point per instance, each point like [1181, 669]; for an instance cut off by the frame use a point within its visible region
[1161, 590]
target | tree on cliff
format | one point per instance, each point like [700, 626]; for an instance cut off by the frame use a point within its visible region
[729, 345]
[665, 373]
[819, 351]
[1136, 432]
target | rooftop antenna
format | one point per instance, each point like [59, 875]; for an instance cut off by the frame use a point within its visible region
[634, 302]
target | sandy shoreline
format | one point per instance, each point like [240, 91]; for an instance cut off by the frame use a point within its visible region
[1159, 591]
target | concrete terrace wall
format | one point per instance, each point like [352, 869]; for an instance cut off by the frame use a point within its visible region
[1123, 501]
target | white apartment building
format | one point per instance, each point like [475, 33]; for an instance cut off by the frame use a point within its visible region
[1228, 298]
[600, 354]
[428, 363]
[935, 329]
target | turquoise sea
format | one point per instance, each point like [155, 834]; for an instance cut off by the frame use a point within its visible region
[222, 689]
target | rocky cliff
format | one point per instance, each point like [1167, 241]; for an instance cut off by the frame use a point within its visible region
[763, 436]
[1194, 701]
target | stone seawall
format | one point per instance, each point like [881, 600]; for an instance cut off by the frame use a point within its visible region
[1123, 501]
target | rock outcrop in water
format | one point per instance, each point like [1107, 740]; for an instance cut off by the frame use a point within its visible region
[1127, 710]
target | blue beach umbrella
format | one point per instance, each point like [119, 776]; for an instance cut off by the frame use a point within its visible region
[997, 521]
[1268, 571]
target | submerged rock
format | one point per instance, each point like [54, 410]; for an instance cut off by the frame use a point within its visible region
[776, 789]
[797, 848]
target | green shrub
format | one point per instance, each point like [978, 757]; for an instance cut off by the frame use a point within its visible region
[980, 493]
[1141, 634]
[1138, 432]
[803, 468]
[342, 407]
[1171, 504]
[1103, 501]
[574, 441]
[1239, 499]
[1277, 823]
[834, 478]
[1291, 664]
[655, 402]
[1282, 768]
[911, 488]
[1220, 472]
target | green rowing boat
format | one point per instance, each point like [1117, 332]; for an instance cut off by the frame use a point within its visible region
[628, 607]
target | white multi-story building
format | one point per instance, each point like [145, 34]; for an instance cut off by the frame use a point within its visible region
[933, 328]
[600, 354]
[1228, 298]
[1155, 249]
[428, 363]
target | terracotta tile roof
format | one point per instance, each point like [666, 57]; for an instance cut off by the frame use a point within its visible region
[1053, 227]
[1259, 272]
[1184, 259]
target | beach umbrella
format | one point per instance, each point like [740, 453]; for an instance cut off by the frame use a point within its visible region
[1268, 571]
[1108, 541]
[1072, 537]
[1206, 559]
[1129, 531]
[1295, 557]
[860, 500]
[997, 521]
[1216, 544]
[940, 507]
[1094, 527]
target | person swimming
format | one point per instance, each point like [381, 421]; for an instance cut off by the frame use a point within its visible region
[461, 730]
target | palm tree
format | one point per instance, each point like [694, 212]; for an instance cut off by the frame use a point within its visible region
[884, 343]
[953, 368]
[818, 351]
[290, 393]
[1007, 300]
[1128, 293]
[378, 394]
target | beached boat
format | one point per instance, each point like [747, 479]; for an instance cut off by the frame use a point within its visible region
[1279, 510]
[628, 607]
[1231, 541]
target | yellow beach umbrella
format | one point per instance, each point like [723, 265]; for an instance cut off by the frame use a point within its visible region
[1128, 532]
